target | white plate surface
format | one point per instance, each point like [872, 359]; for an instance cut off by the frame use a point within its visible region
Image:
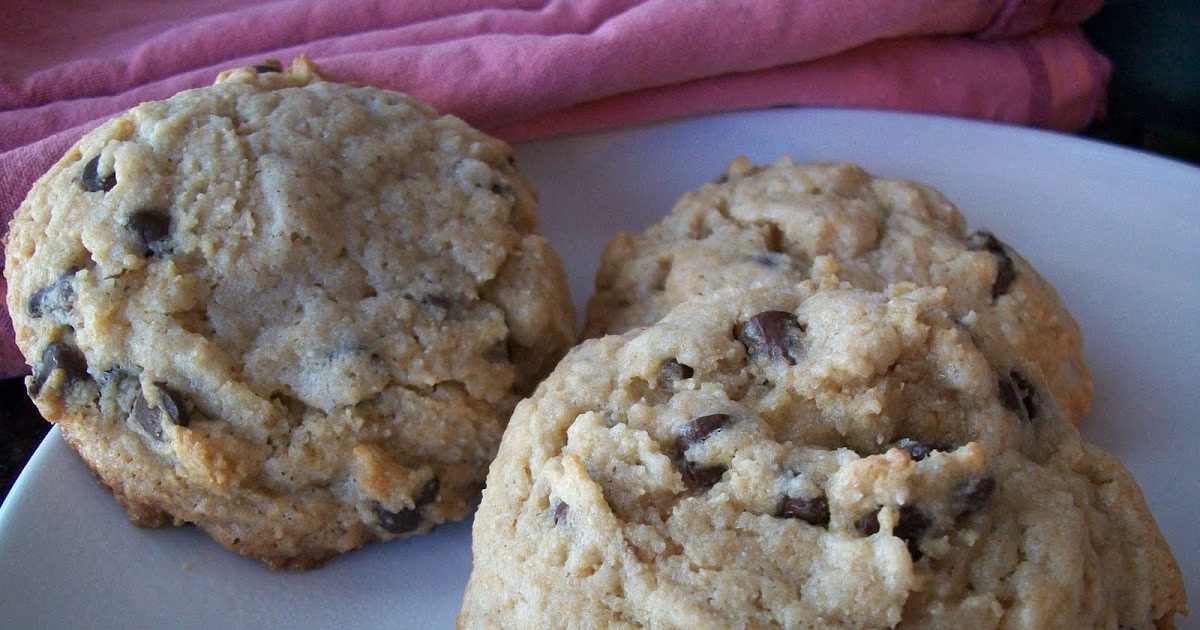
[1115, 230]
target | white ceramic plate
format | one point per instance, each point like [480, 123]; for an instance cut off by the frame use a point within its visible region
[1118, 232]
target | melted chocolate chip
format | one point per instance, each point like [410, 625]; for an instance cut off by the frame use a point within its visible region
[92, 180]
[975, 492]
[673, 371]
[698, 476]
[771, 334]
[771, 260]
[151, 227]
[150, 419]
[812, 511]
[408, 519]
[429, 492]
[1006, 272]
[445, 306]
[58, 356]
[53, 299]
[169, 408]
[437, 301]
[868, 525]
[501, 188]
[910, 527]
[1028, 394]
[500, 352]
[1019, 396]
[1009, 397]
[917, 450]
[560, 512]
[270, 65]
[699, 429]
[400, 522]
[674, 451]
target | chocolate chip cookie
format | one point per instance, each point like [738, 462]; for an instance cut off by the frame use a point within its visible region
[789, 222]
[293, 312]
[822, 457]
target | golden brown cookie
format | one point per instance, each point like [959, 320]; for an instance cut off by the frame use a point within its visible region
[808, 458]
[789, 222]
[293, 312]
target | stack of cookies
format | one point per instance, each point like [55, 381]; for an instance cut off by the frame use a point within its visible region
[820, 403]
[300, 314]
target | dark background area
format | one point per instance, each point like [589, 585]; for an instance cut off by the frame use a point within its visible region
[1153, 105]
[1154, 96]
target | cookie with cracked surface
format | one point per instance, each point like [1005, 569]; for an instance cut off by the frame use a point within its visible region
[789, 222]
[808, 458]
[293, 312]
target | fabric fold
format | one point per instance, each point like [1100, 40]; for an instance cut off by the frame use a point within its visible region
[527, 69]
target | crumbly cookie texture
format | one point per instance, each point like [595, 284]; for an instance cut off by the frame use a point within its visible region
[293, 312]
[789, 222]
[808, 458]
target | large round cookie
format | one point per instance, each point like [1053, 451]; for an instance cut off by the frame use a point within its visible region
[808, 459]
[294, 312]
[788, 222]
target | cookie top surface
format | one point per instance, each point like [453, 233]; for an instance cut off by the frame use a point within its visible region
[808, 458]
[789, 222]
[286, 309]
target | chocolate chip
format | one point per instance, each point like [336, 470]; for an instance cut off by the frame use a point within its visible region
[910, 527]
[149, 418]
[445, 306]
[1009, 397]
[400, 522]
[975, 492]
[560, 512]
[269, 65]
[917, 450]
[151, 227]
[771, 334]
[92, 180]
[407, 519]
[674, 451]
[170, 408]
[868, 525]
[1028, 394]
[501, 188]
[500, 352]
[511, 159]
[58, 356]
[1005, 270]
[721, 179]
[433, 301]
[694, 432]
[55, 298]
[429, 492]
[812, 511]
[1019, 396]
[698, 476]
[699, 429]
[771, 260]
[673, 371]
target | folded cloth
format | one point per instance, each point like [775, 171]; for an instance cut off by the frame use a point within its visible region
[525, 69]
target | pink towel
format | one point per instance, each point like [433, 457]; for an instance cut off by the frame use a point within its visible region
[531, 68]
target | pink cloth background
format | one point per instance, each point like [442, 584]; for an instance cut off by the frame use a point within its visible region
[525, 69]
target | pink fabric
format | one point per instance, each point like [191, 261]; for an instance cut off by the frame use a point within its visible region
[532, 68]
